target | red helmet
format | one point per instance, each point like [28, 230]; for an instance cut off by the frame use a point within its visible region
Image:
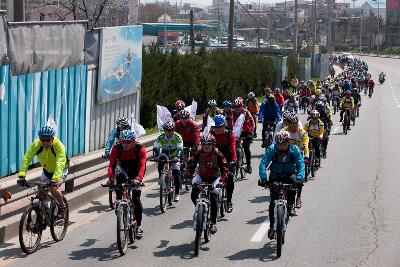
[238, 102]
[180, 105]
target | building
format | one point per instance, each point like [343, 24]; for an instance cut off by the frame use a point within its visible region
[374, 8]
[393, 10]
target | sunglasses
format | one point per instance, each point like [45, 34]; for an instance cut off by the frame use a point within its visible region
[126, 141]
[206, 144]
[45, 140]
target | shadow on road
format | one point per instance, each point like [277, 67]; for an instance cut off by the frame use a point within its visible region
[97, 207]
[153, 194]
[182, 225]
[260, 199]
[16, 252]
[152, 211]
[102, 254]
[89, 243]
[258, 220]
[184, 251]
[264, 254]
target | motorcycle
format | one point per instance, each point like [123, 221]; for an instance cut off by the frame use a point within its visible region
[381, 80]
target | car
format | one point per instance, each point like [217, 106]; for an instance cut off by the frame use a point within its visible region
[346, 54]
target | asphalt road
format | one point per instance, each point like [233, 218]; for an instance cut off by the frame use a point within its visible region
[350, 214]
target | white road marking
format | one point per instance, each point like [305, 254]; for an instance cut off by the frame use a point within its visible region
[261, 232]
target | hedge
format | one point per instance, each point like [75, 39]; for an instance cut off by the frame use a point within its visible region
[200, 76]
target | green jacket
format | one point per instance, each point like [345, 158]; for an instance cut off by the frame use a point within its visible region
[53, 160]
[172, 147]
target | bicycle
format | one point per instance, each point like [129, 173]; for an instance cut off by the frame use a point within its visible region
[269, 134]
[40, 214]
[241, 166]
[201, 215]
[281, 217]
[353, 117]
[186, 154]
[335, 103]
[167, 185]
[346, 121]
[126, 221]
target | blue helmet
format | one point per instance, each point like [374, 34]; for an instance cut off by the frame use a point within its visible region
[219, 120]
[227, 103]
[127, 135]
[46, 131]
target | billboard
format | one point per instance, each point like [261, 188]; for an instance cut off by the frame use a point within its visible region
[120, 62]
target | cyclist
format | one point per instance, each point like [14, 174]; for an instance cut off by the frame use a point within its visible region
[285, 83]
[211, 112]
[228, 113]
[291, 104]
[211, 164]
[270, 114]
[51, 155]
[247, 129]
[347, 103]
[253, 106]
[188, 129]
[357, 99]
[179, 106]
[294, 83]
[280, 99]
[315, 129]
[170, 143]
[225, 142]
[122, 123]
[287, 165]
[298, 137]
[283, 123]
[128, 164]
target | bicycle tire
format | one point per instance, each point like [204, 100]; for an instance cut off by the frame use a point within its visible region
[132, 228]
[171, 193]
[122, 227]
[279, 230]
[112, 199]
[163, 194]
[22, 226]
[312, 160]
[65, 222]
[306, 172]
[243, 166]
[199, 230]
[222, 206]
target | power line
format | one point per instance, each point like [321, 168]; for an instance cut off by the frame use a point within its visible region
[256, 20]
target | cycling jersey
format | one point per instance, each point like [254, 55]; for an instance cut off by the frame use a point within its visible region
[226, 144]
[114, 135]
[347, 102]
[53, 160]
[252, 105]
[248, 124]
[190, 132]
[171, 146]
[300, 139]
[314, 129]
[357, 98]
[291, 106]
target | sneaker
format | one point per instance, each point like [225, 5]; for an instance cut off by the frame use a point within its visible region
[298, 203]
[270, 234]
[263, 145]
[249, 169]
[255, 135]
[230, 208]
[213, 228]
[176, 198]
[292, 211]
[139, 232]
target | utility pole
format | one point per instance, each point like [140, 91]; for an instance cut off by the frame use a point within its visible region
[329, 26]
[231, 17]
[314, 34]
[165, 26]
[379, 27]
[19, 10]
[191, 32]
[258, 30]
[295, 29]
[361, 21]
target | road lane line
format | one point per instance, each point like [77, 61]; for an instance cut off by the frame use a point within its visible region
[261, 232]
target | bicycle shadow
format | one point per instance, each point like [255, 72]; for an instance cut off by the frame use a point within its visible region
[260, 199]
[184, 251]
[151, 212]
[182, 225]
[101, 254]
[265, 254]
[97, 207]
[258, 220]
[16, 252]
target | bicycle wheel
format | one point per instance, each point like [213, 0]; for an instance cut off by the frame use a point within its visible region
[312, 161]
[306, 172]
[199, 229]
[112, 198]
[345, 125]
[222, 204]
[163, 194]
[132, 228]
[279, 230]
[243, 165]
[170, 189]
[31, 224]
[58, 228]
[122, 229]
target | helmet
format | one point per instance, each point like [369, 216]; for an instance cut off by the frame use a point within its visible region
[318, 92]
[292, 95]
[251, 95]
[180, 104]
[277, 90]
[267, 90]
[319, 104]
[238, 102]
[46, 131]
[184, 114]
[285, 114]
[168, 126]
[127, 135]
[207, 139]
[219, 120]
[212, 103]
[293, 118]
[314, 114]
[122, 122]
[227, 104]
[348, 92]
[282, 137]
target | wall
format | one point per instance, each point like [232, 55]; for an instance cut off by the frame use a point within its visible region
[102, 117]
[26, 102]
[305, 69]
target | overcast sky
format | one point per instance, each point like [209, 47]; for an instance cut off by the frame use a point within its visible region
[208, 2]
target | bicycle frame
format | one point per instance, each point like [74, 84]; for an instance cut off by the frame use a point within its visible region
[203, 199]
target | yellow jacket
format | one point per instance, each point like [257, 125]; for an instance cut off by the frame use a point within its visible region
[300, 139]
[314, 129]
[53, 160]
[347, 103]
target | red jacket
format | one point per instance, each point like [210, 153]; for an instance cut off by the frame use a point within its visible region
[211, 165]
[279, 99]
[248, 124]
[229, 120]
[189, 132]
[226, 144]
[371, 83]
[133, 161]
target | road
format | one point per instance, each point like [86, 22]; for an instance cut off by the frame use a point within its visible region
[350, 214]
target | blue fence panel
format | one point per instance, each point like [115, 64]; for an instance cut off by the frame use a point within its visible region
[27, 101]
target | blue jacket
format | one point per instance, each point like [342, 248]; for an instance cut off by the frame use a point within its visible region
[269, 112]
[111, 139]
[293, 163]
[347, 86]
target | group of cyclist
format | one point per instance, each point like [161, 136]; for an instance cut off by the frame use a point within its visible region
[212, 156]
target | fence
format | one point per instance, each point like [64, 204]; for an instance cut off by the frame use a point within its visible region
[304, 69]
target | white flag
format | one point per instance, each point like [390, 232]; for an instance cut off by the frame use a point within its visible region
[210, 123]
[237, 127]
[137, 128]
[163, 115]
[193, 109]
[52, 123]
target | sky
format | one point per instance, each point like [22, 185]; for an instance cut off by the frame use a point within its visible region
[203, 3]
